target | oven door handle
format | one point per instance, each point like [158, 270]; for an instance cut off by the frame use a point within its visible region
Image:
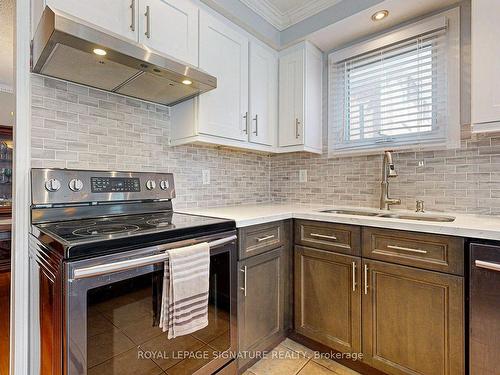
[104, 269]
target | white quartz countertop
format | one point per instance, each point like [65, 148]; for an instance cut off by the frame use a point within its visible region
[473, 226]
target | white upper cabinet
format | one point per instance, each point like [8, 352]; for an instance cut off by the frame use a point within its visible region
[485, 51]
[291, 102]
[223, 112]
[118, 16]
[166, 26]
[300, 99]
[242, 111]
[170, 27]
[263, 95]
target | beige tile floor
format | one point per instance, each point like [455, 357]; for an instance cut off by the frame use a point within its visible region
[290, 358]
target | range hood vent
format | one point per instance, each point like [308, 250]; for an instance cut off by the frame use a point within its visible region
[63, 48]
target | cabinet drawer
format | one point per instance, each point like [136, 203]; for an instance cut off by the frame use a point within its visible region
[258, 239]
[423, 250]
[327, 236]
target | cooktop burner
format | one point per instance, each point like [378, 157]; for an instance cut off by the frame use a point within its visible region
[100, 234]
[105, 229]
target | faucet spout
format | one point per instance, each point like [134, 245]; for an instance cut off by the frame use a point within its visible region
[388, 170]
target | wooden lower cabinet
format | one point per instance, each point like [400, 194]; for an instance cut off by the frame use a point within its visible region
[413, 320]
[328, 298]
[261, 301]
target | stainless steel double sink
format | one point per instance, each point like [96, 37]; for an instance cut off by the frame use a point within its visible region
[392, 215]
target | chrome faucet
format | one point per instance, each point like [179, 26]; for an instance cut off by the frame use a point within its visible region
[388, 170]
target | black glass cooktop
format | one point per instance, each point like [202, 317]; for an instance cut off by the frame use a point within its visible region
[84, 237]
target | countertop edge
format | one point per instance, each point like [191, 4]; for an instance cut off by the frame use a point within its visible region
[473, 232]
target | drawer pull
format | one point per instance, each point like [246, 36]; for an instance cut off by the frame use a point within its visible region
[260, 239]
[317, 235]
[244, 288]
[393, 247]
[488, 265]
[353, 276]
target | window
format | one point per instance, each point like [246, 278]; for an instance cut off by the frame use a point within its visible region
[396, 91]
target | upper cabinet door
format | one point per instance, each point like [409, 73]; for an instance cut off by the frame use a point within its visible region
[263, 95]
[118, 16]
[291, 99]
[485, 50]
[223, 112]
[170, 27]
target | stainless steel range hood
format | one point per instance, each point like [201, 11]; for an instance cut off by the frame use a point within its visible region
[63, 48]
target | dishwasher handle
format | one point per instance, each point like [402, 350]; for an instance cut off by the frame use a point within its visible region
[487, 265]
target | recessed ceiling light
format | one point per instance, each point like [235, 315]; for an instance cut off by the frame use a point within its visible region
[100, 52]
[380, 15]
[187, 82]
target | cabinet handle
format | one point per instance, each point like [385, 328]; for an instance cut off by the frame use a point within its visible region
[488, 265]
[353, 276]
[244, 288]
[256, 119]
[366, 279]
[317, 235]
[148, 22]
[265, 238]
[394, 247]
[132, 7]
[297, 123]
[245, 116]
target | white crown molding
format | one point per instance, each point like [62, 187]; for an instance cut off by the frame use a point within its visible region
[282, 20]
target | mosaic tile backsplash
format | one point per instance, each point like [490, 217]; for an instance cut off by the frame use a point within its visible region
[78, 127]
[463, 180]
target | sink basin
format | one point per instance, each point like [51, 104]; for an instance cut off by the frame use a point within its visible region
[435, 218]
[403, 216]
[351, 212]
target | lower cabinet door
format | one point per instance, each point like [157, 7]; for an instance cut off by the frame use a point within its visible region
[261, 301]
[413, 320]
[328, 298]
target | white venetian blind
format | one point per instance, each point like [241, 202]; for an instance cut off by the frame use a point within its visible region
[390, 97]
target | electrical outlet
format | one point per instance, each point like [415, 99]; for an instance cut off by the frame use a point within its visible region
[205, 174]
[303, 175]
[421, 163]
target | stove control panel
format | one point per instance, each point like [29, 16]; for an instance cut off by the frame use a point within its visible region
[68, 186]
[115, 184]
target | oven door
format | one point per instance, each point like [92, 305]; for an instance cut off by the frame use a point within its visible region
[112, 315]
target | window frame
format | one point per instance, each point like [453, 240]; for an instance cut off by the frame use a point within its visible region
[451, 128]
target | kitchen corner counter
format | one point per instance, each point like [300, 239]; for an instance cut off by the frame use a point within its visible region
[472, 226]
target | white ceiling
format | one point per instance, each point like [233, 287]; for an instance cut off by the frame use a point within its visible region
[360, 24]
[284, 13]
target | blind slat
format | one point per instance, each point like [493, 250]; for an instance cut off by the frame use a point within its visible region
[397, 93]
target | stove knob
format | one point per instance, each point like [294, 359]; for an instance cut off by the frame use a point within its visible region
[52, 185]
[76, 184]
[164, 185]
[150, 184]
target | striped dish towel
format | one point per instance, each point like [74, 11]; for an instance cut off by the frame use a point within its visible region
[184, 305]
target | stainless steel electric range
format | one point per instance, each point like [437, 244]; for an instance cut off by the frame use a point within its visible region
[97, 248]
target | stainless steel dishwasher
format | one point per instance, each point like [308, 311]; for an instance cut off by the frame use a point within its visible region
[484, 309]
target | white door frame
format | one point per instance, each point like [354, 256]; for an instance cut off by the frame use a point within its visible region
[19, 322]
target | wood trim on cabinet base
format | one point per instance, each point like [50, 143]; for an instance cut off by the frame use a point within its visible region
[354, 365]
